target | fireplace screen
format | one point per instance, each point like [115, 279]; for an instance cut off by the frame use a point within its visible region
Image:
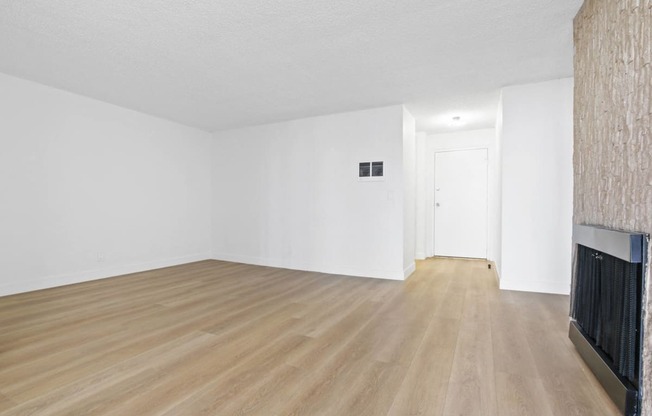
[607, 308]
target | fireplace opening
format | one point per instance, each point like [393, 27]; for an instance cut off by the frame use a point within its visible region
[606, 325]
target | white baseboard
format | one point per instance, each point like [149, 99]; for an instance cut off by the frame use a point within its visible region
[88, 275]
[495, 270]
[328, 269]
[409, 270]
[420, 255]
[540, 286]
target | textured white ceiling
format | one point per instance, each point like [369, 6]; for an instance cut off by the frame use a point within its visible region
[219, 64]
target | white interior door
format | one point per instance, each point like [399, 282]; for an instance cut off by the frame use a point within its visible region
[461, 215]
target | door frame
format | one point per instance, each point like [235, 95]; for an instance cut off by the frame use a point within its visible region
[430, 197]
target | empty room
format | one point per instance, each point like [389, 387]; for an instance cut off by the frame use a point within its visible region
[382, 208]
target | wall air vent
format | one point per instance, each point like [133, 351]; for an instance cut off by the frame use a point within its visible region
[371, 171]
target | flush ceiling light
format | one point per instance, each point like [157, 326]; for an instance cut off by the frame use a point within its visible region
[456, 121]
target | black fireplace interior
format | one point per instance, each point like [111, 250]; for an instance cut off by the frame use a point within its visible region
[607, 307]
[608, 293]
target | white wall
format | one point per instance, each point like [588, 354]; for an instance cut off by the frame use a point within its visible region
[537, 184]
[497, 218]
[427, 146]
[409, 193]
[421, 209]
[288, 194]
[91, 190]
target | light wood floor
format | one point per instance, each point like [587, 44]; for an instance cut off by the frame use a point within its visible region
[217, 338]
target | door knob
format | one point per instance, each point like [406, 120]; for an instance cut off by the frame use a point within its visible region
[437, 204]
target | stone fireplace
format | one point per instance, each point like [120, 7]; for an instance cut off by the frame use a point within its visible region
[613, 137]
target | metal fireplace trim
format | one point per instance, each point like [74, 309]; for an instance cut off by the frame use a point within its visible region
[626, 246]
[630, 247]
[621, 391]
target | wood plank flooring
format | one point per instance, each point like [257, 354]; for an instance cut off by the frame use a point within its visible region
[218, 338]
